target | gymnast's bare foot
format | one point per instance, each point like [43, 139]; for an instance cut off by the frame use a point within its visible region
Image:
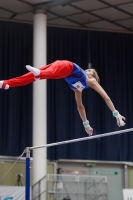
[5, 86]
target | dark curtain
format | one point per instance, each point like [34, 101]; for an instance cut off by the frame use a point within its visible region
[110, 54]
[16, 103]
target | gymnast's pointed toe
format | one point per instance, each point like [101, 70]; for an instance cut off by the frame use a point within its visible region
[34, 70]
[28, 67]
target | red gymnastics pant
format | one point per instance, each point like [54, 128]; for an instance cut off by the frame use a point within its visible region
[56, 70]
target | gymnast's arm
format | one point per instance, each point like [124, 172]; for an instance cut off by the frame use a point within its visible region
[80, 107]
[95, 85]
[82, 112]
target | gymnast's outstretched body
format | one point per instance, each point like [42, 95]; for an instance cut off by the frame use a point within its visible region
[77, 79]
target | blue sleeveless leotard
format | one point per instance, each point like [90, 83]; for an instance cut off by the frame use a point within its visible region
[77, 78]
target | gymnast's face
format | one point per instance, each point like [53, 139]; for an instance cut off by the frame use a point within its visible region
[89, 72]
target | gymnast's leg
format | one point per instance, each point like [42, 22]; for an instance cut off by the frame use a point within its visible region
[18, 81]
[55, 70]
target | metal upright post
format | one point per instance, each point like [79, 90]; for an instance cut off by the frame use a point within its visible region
[27, 172]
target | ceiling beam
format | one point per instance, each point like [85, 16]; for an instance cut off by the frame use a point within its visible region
[102, 18]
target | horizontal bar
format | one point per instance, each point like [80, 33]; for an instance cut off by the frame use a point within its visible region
[82, 139]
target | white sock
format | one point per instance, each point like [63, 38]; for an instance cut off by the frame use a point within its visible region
[34, 70]
[1, 83]
[6, 86]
